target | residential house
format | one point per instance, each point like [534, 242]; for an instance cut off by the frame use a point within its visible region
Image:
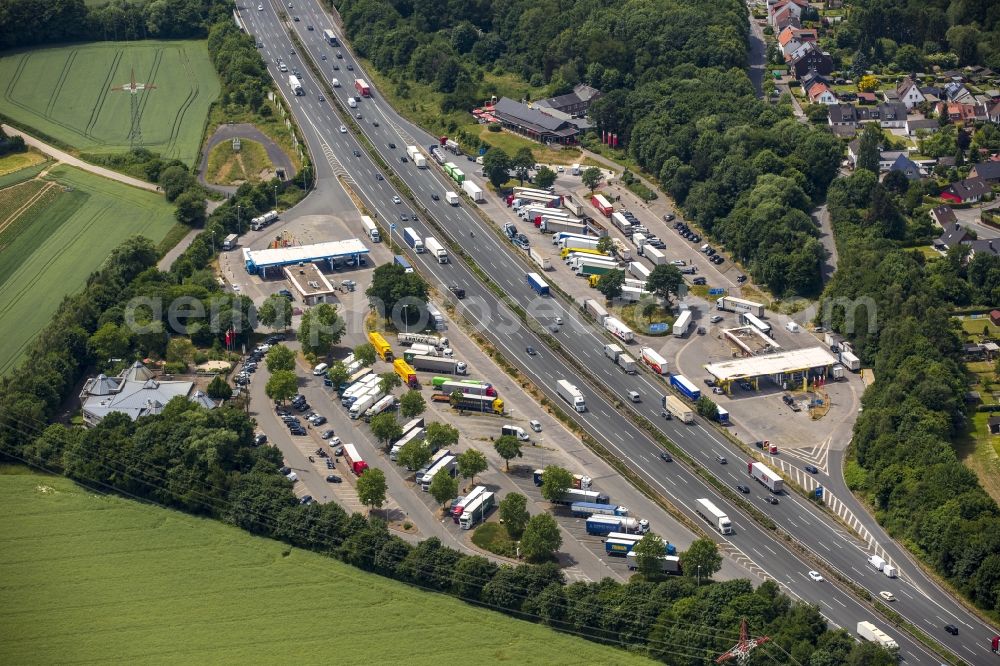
[993, 114]
[988, 171]
[995, 317]
[575, 103]
[534, 123]
[791, 8]
[867, 98]
[953, 235]
[970, 190]
[843, 115]
[821, 94]
[893, 115]
[944, 216]
[957, 92]
[785, 18]
[135, 392]
[973, 351]
[907, 167]
[853, 151]
[887, 158]
[793, 50]
[925, 125]
[812, 59]
[810, 79]
[909, 94]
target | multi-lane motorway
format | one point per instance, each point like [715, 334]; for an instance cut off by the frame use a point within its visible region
[919, 600]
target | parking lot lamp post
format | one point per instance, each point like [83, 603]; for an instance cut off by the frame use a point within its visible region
[276, 197]
[239, 222]
[406, 318]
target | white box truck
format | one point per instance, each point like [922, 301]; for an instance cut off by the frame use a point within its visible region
[876, 562]
[870, 632]
[682, 324]
[612, 352]
[572, 395]
[654, 255]
[370, 229]
[436, 249]
[627, 363]
[451, 198]
[474, 191]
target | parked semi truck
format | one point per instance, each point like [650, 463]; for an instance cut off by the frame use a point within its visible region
[476, 511]
[439, 364]
[602, 204]
[406, 372]
[678, 409]
[682, 324]
[422, 339]
[543, 262]
[739, 305]
[413, 240]
[870, 632]
[383, 405]
[370, 229]
[670, 564]
[588, 509]
[767, 476]
[382, 348]
[618, 329]
[596, 309]
[603, 525]
[651, 358]
[668, 548]
[685, 386]
[581, 481]
[354, 459]
[458, 506]
[572, 395]
[436, 249]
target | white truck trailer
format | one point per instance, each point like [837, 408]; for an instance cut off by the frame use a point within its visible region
[766, 476]
[436, 249]
[618, 329]
[543, 262]
[678, 409]
[474, 191]
[870, 632]
[572, 395]
[682, 324]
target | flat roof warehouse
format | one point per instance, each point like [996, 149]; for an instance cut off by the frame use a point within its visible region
[797, 360]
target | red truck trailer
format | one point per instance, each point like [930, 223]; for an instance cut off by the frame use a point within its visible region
[362, 88]
[354, 459]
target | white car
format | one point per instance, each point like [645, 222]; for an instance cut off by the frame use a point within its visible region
[343, 130]
[559, 320]
[678, 262]
[260, 8]
[333, 441]
[888, 596]
[816, 576]
[397, 200]
[715, 319]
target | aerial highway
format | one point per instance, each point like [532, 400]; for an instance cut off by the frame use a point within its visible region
[920, 601]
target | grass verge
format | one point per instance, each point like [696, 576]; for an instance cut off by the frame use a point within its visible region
[229, 167]
[494, 538]
[84, 567]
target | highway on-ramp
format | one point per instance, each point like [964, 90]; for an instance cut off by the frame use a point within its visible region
[920, 601]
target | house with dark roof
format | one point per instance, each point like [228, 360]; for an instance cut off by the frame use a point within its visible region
[842, 115]
[988, 171]
[812, 59]
[993, 114]
[887, 158]
[575, 103]
[534, 123]
[925, 125]
[892, 115]
[136, 392]
[907, 167]
[993, 423]
[953, 235]
[970, 190]
[944, 216]
[909, 94]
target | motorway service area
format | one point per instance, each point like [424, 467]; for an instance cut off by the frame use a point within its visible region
[724, 377]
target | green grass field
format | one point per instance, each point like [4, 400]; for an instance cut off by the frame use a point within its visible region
[100, 579]
[67, 93]
[49, 251]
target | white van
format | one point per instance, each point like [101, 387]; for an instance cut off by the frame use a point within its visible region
[535, 424]
[515, 431]
[320, 369]
[336, 83]
[351, 103]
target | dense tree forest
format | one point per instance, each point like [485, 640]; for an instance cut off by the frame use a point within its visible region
[903, 441]
[916, 33]
[674, 90]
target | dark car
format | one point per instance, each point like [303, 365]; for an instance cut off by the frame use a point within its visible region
[327, 434]
[665, 414]
[951, 629]
[379, 176]
[709, 381]
[260, 439]
[350, 67]
[306, 499]
[357, 153]
[668, 217]
[741, 279]
[700, 281]
[770, 500]
[309, 27]
[298, 432]
[743, 489]
[329, 464]
[435, 197]
[458, 291]
[811, 469]
[403, 159]
[392, 146]
[333, 478]
[303, 407]
[319, 420]
[287, 294]
[530, 351]
[665, 457]
[285, 471]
